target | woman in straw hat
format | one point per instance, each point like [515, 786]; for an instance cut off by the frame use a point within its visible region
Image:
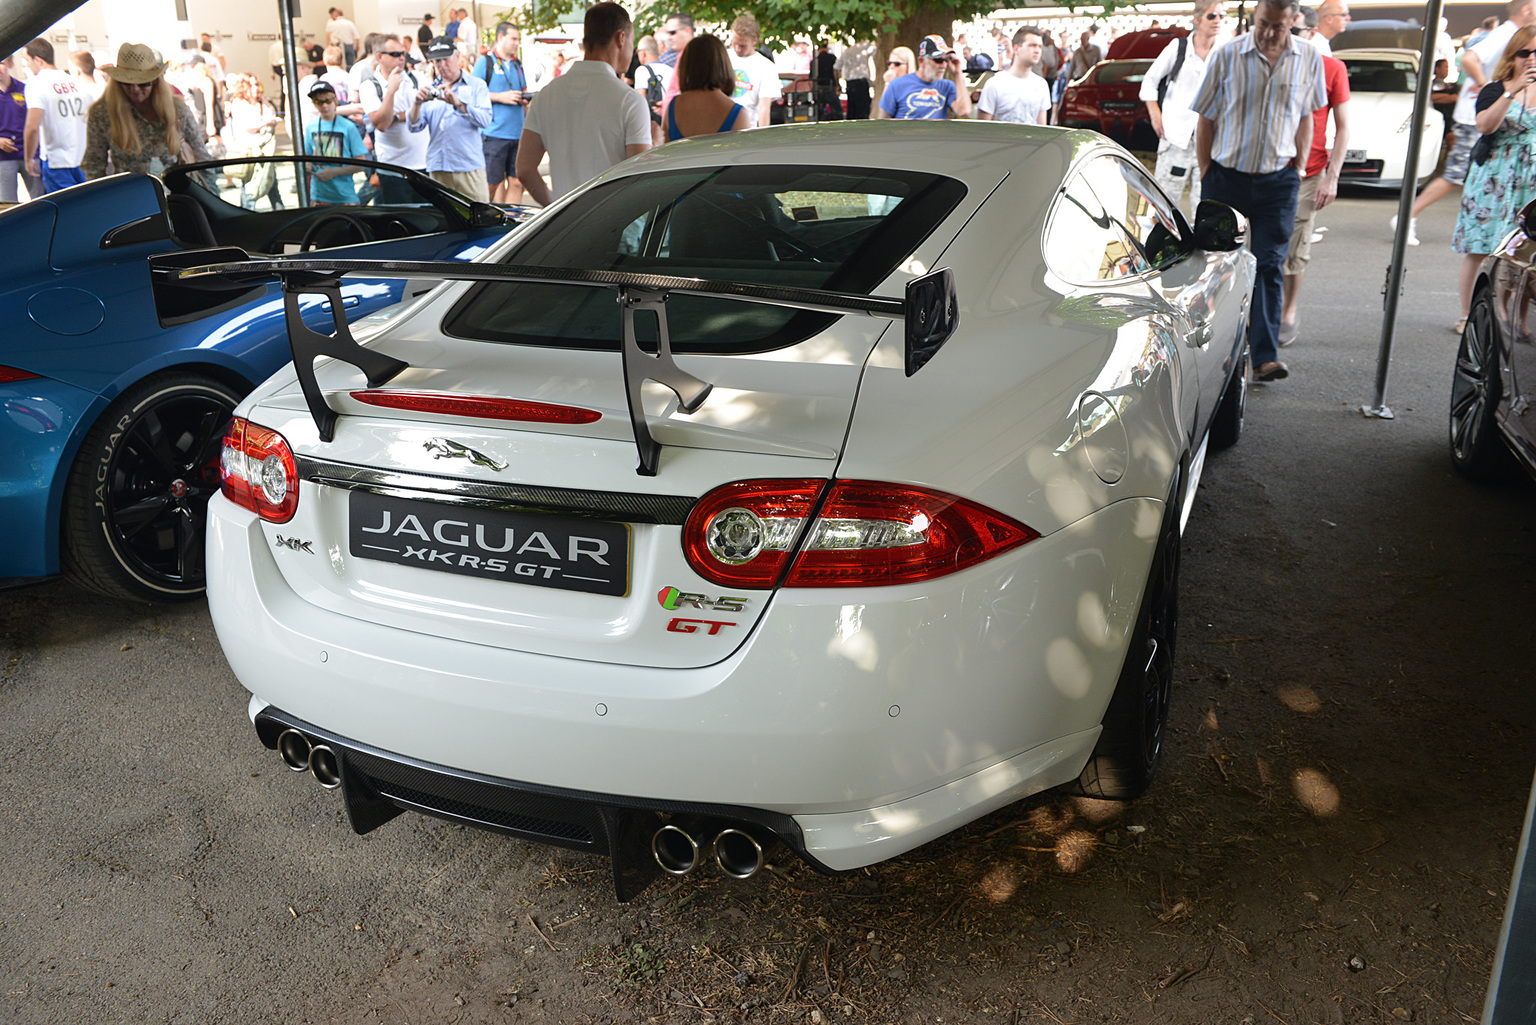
[139, 124]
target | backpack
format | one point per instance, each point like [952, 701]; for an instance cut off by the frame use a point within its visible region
[653, 90]
[1173, 72]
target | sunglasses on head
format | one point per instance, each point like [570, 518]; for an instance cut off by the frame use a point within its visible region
[1524, 54]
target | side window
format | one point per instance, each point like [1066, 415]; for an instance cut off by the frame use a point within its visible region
[1139, 208]
[1083, 243]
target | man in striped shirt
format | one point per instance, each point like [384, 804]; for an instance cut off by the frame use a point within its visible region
[1251, 142]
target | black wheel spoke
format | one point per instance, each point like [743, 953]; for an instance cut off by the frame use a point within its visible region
[130, 520]
[150, 441]
[189, 547]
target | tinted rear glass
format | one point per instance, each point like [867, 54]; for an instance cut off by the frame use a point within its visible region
[841, 229]
[1114, 72]
[1377, 76]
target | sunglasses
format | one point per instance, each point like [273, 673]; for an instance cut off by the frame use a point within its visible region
[325, 101]
[1297, 30]
[895, 64]
[392, 53]
[1211, 16]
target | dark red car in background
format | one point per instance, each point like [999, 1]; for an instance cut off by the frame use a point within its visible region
[1107, 98]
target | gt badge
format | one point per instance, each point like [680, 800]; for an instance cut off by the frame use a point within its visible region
[689, 626]
[293, 544]
[672, 598]
[443, 448]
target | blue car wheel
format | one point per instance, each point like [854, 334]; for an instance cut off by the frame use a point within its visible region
[137, 498]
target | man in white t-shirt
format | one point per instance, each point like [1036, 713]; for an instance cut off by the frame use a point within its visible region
[1169, 90]
[55, 131]
[588, 119]
[1477, 61]
[1018, 94]
[386, 99]
[468, 39]
[757, 79]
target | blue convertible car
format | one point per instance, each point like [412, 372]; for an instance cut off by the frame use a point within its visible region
[116, 384]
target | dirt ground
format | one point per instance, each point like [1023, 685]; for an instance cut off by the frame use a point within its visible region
[1330, 839]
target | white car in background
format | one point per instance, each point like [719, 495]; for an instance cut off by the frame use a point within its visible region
[822, 486]
[1381, 87]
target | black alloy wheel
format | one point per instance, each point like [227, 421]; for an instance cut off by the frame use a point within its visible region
[136, 504]
[1477, 450]
[1136, 722]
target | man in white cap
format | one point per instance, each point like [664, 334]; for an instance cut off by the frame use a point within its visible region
[935, 90]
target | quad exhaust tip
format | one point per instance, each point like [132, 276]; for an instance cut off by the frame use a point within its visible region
[300, 754]
[294, 749]
[738, 853]
[325, 766]
[675, 851]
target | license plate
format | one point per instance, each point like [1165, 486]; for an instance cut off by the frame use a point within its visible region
[1119, 105]
[566, 552]
[1354, 156]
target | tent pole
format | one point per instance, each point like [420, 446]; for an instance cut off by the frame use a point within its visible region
[1378, 408]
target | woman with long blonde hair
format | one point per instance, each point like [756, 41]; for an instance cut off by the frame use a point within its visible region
[139, 124]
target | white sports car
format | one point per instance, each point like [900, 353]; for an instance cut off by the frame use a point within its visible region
[1381, 85]
[705, 513]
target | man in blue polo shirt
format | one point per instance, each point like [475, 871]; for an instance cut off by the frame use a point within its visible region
[455, 108]
[936, 89]
[504, 75]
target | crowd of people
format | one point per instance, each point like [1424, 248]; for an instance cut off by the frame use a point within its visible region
[463, 106]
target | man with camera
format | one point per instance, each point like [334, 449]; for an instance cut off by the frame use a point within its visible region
[936, 89]
[455, 109]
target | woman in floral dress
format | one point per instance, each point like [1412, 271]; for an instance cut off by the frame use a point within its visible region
[139, 124]
[1500, 185]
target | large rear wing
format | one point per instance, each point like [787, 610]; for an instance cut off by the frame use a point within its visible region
[929, 312]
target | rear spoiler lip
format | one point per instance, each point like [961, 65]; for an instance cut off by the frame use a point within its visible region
[316, 272]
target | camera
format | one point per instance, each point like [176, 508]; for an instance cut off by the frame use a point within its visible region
[437, 92]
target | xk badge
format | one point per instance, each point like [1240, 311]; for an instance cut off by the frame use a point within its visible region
[293, 544]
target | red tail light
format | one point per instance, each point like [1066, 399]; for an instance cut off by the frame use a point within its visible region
[865, 534]
[257, 471]
[485, 407]
[9, 374]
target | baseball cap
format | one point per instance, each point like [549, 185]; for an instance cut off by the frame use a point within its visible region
[321, 88]
[934, 48]
[441, 48]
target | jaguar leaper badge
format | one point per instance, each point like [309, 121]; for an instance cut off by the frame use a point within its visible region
[444, 448]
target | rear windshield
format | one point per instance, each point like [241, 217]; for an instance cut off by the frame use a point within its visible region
[841, 229]
[1376, 76]
[1114, 72]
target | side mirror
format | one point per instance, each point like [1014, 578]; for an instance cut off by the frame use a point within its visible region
[1219, 228]
[484, 215]
[1528, 219]
[933, 314]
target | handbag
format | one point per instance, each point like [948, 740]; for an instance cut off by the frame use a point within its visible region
[1482, 149]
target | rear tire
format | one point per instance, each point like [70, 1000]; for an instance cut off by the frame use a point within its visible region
[1478, 450]
[1136, 722]
[1227, 424]
[136, 503]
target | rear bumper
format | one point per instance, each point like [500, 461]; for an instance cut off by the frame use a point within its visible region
[874, 720]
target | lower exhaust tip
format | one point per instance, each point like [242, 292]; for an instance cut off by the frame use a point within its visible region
[293, 749]
[738, 854]
[676, 852]
[325, 766]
